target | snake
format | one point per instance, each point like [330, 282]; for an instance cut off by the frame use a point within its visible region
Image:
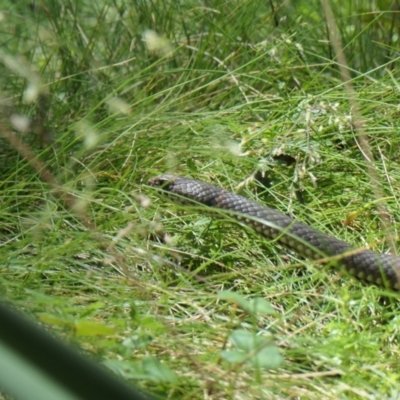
[370, 267]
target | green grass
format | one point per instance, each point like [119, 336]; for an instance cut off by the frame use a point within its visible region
[135, 280]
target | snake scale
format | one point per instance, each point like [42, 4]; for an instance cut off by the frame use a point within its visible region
[366, 265]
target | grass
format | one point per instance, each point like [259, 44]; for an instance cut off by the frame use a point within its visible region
[249, 99]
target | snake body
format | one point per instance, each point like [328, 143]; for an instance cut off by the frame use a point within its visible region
[366, 265]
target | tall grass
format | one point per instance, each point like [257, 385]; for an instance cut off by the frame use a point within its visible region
[242, 94]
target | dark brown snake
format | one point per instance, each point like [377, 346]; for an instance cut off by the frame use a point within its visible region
[368, 266]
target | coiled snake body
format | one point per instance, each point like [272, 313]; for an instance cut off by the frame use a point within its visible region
[368, 266]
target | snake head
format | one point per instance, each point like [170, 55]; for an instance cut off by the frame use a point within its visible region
[162, 181]
[179, 189]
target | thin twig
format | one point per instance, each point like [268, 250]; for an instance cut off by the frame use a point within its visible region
[361, 137]
[67, 198]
